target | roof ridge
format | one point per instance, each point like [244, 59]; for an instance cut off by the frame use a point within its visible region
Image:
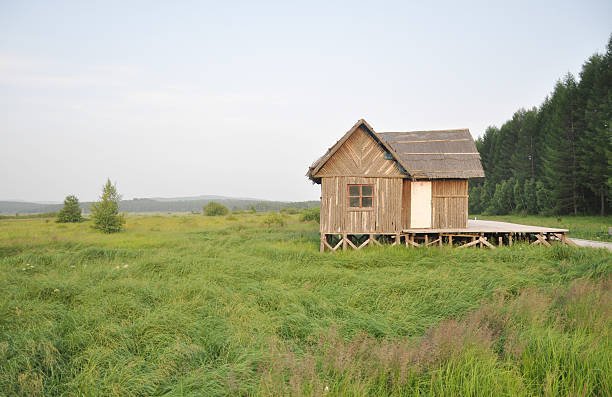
[421, 131]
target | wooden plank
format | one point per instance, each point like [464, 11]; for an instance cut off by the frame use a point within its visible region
[484, 241]
[363, 244]
[471, 243]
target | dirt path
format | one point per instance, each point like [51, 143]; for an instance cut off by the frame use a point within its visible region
[593, 244]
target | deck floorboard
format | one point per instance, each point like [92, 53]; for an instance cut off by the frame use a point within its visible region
[481, 226]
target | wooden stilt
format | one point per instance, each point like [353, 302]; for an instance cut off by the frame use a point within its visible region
[510, 239]
[500, 240]
[450, 240]
[440, 238]
[344, 243]
[322, 244]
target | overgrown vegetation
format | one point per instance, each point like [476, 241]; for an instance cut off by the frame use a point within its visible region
[194, 305]
[311, 214]
[273, 219]
[555, 159]
[105, 212]
[215, 209]
[70, 212]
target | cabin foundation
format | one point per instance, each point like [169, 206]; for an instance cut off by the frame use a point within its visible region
[481, 234]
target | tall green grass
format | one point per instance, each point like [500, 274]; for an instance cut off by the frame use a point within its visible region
[193, 305]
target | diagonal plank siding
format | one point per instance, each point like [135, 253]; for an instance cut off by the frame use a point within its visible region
[385, 217]
[360, 155]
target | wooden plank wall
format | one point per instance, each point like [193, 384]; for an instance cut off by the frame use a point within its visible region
[449, 203]
[384, 217]
[360, 155]
[406, 185]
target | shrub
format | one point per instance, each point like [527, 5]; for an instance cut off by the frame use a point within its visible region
[215, 209]
[311, 214]
[105, 212]
[71, 212]
[290, 211]
[274, 218]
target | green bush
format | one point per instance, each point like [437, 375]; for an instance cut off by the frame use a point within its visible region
[311, 214]
[71, 212]
[105, 212]
[215, 209]
[273, 218]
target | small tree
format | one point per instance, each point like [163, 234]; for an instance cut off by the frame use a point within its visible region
[105, 212]
[71, 212]
[214, 209]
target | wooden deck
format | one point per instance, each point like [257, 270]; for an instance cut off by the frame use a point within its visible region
[479, 233]
[479, 226]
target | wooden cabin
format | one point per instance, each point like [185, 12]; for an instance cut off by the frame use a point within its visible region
[387, 182]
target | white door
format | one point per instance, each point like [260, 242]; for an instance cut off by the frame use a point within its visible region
[420, 205]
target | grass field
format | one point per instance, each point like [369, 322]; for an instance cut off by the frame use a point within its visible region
[192, 305]
[586, 227]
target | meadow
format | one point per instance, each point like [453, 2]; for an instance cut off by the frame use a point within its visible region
[188, 305]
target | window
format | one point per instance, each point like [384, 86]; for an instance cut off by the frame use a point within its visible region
[360, 196]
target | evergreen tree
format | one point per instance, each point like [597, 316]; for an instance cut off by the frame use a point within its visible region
[561, 156]
[529, 194]
[105, 212]
[71, 212]
[519, 197]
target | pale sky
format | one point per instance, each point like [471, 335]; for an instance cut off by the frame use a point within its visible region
[183, 98]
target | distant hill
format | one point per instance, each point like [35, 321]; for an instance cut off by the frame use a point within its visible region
[178, 204]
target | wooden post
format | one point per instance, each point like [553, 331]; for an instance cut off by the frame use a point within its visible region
[322, 243]
[481, 237]
[344, 243]
[510, 239]
[450, 240]
[426, 240]
[440, 243]
[501, 241]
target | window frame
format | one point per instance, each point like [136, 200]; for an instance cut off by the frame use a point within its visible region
[361, 196]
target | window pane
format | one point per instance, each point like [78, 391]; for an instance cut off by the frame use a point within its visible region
[353, 201]
[366, 202]
[354, 190]
[366, 190]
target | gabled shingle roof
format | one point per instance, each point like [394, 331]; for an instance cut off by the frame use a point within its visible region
[434, 154]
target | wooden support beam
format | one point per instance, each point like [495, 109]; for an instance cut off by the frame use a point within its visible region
[484, 241]
[426, 239]
[337, 245]
[322, 249]
[500, 241]
[411, 242]
[373, 240]
[510, 239]
[327, 244]
[473, 242]
[348, 240]
[480, 239]
[397, 240]
[363, 244]
[344, 243]
[541, 240]
[440, 239]
[432, 242]
[450, 240]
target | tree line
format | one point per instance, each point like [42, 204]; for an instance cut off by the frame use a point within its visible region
[556, 158]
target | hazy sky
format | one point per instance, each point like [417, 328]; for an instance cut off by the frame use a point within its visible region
[183, 98]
